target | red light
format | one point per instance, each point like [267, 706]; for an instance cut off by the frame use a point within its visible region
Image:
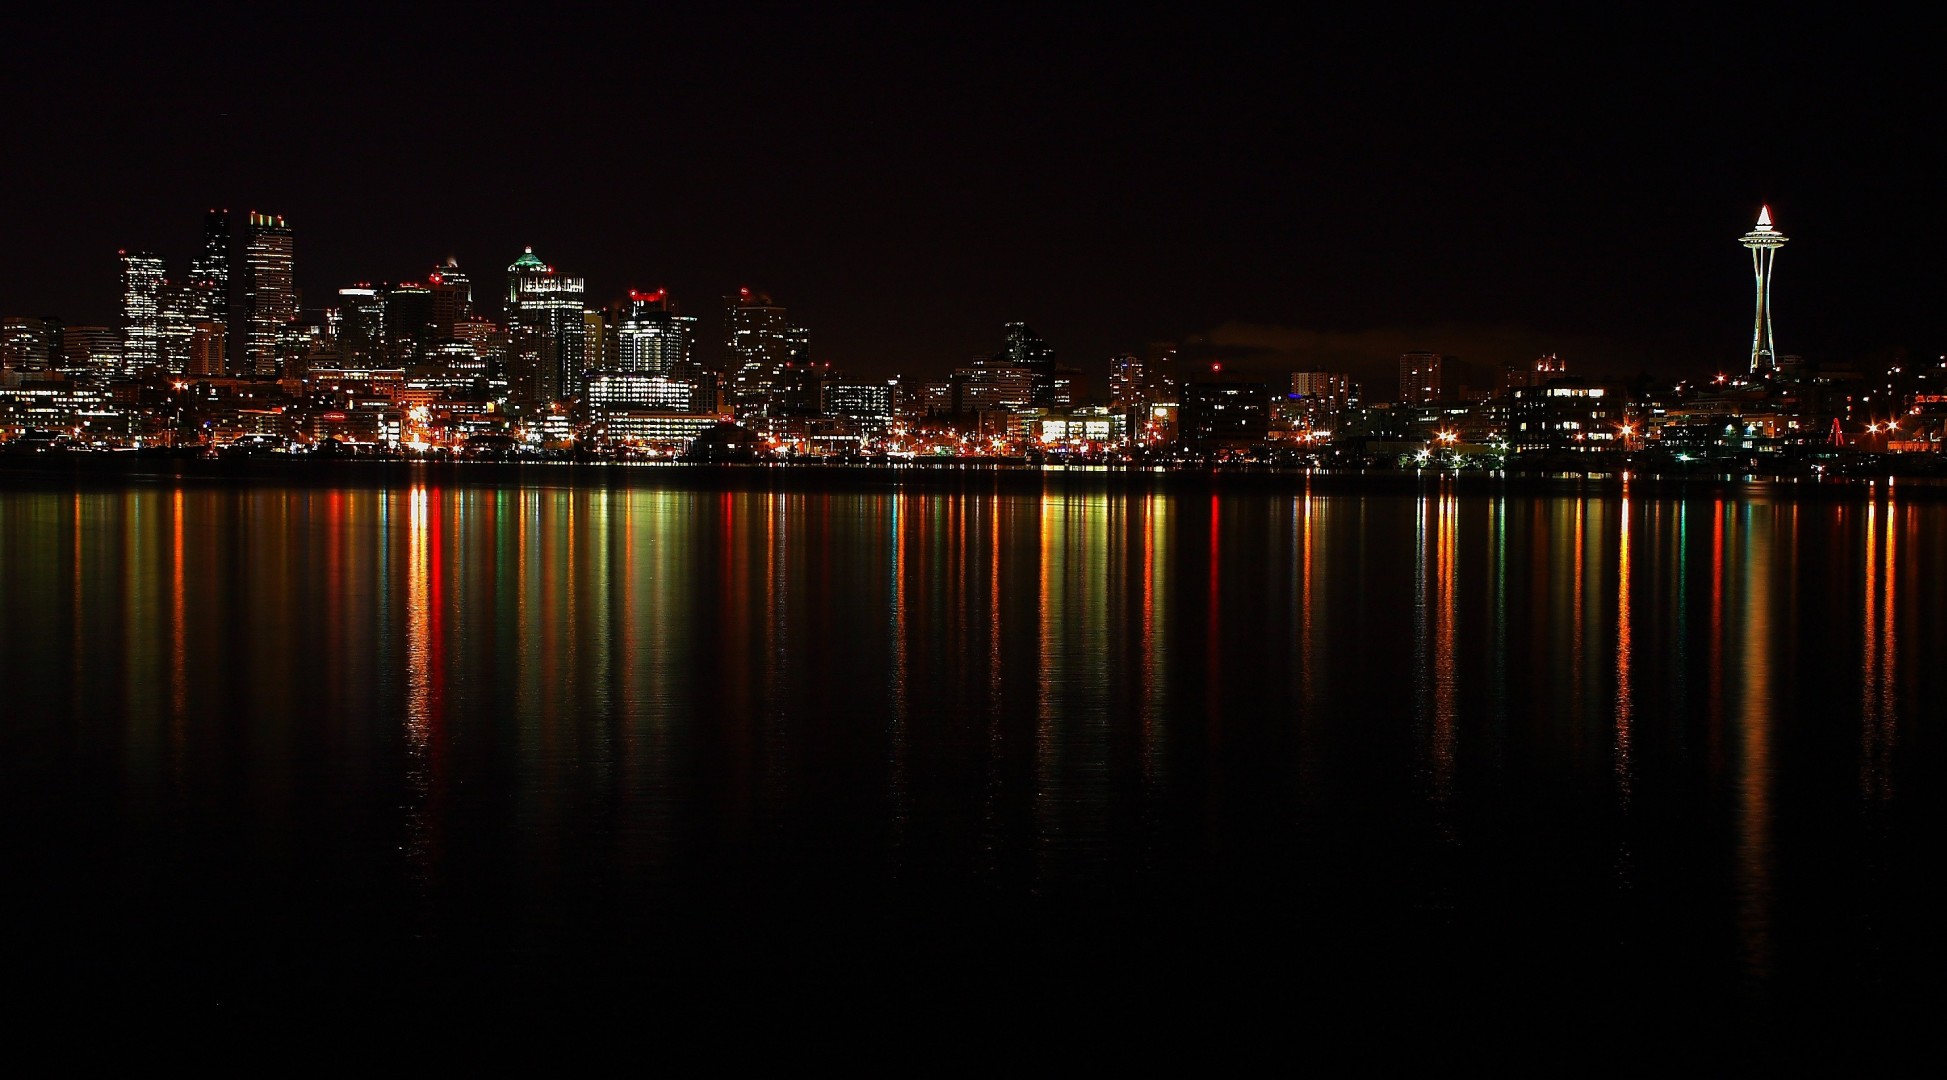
[436, 278]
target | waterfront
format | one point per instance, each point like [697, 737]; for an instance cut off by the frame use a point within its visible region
[1533, 750]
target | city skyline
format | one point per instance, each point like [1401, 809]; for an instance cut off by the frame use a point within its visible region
[1273, 196]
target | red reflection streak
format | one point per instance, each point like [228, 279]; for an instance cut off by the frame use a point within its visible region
[1305, 583]
[994, 616]
[1446, 540]
[1716, 634]
[1623, 695]
[1869, 759]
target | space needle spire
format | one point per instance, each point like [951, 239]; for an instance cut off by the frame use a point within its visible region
[1764, 242]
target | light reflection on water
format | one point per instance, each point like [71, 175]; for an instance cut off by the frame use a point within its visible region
[548, 710]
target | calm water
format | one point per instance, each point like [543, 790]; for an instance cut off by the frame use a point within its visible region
[1427, 751]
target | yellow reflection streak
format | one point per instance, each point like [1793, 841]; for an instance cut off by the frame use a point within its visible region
[418, 620]
[1445, 697]
[1754, 783]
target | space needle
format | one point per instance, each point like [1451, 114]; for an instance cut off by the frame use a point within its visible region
[1764, 242]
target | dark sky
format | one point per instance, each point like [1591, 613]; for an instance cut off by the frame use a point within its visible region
[906, 180]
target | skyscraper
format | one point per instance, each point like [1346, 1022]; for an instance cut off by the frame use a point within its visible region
[1421, 378]
[209, 272]
[270, 290]
[142, 283]
[1764, 242]
[545, 328]
[360, 326]
[177, 326]
[650, 338]
[758, 341]
[452, 298]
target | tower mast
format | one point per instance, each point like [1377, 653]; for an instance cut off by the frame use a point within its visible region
[1764, 242]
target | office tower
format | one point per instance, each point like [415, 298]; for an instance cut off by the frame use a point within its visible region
[1222, 415]
[452, 298]
[142, 283]
[95, 350]
[206, 349]
[209, 272]
[181, 310]
[359, 325]
[595, 340]
[1331, 390]
[758, 341]
[408, 323]
[1024, 350]
[1423, 378]
[1764, 242]
[650, 337]
[30, 344]
[545, 329]
[270, 291]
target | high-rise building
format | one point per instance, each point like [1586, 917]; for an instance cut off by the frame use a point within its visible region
[1024, 350]
[595, 327]
[360, 325]
[452, 298]
[142, 283]
[1421, 378]
[758, 341]
[1534, 373]
[408, 322]
[1764, 242]
[206, 349]
[209, 272]
[545, 329]
[180, 312]
[1319, 397]
[270, 291]
[30, 343]
[95, 350]
[1137, 381]
[650, 337]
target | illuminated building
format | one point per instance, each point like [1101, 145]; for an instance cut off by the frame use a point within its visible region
[206, 349]
[209, 272]
[1319, 398]
[1026, 351]
[651, 338]
[452, 298]
[1224, 415]
[1139, 381]
[758, 341]
[408, 322]
[990, 387]
[270, 291]
[594, 340]
[1566, 414]
[142, 282]
[360, 324]
[30, 343]
[1764, 242]
[180, 312]
[92, 349]
[1420, 378]
[1540, 371]
[545, 331]
[863, 401]
[620, 390]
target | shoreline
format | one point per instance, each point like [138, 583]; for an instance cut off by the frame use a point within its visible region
[94, 471]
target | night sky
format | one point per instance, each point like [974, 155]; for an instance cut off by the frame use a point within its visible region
[1288, 190]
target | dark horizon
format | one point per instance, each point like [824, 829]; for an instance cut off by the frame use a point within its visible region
[1284, 192]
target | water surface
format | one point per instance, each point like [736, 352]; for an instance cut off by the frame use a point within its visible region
[1412, 752]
